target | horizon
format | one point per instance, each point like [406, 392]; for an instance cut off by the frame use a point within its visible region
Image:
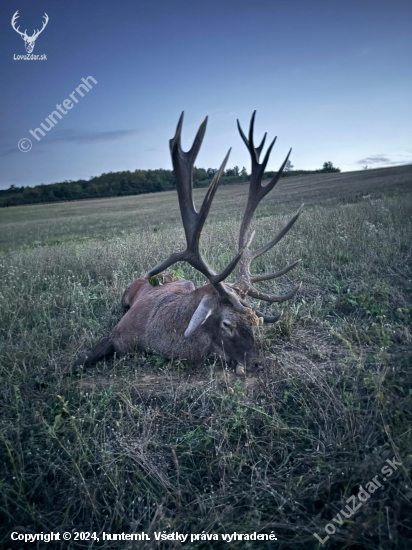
[173, 191]
[331, 84]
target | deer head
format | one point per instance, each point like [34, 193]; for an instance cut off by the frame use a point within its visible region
[29, 41]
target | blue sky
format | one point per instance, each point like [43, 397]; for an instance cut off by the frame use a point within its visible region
[332, 79]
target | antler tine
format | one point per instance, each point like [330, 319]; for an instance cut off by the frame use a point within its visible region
[251, 132]
[254, 151]
[269, 318]
[258, 295]
[266, 318]
[269, 276]
[262, 143]
[244, 280]
[279, 236]
[183, 163]
[193, 221]
[275, 179]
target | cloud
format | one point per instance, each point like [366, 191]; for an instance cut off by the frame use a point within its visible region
[76, 136]
[398, 163]
[17, 150]
[375, 159]
[382, 160]
[73, 136]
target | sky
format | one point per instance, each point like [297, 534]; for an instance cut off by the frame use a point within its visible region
[331, 78]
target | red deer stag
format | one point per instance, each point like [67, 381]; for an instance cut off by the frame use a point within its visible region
[180, 321]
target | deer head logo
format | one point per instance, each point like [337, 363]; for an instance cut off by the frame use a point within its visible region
[29, 41]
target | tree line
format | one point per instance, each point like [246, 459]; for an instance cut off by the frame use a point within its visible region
[118, 184]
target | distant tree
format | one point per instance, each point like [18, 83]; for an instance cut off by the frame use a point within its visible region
[93, 189]
[112, 184]
[289, 166]
[211, 172]
[328, 167]
[199, 174]
[366, 167]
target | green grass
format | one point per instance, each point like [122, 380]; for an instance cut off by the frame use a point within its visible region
[143, 444]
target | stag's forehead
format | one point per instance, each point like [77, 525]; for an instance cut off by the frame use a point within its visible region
[229, 313]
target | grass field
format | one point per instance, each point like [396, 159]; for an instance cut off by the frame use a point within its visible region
[143, 444]
[79, 220]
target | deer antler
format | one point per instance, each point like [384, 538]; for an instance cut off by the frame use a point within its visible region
[193, 221]
[13, 24]
[244, 280]
[36, 34]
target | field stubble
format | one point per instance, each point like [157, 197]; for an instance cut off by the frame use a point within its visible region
[144, 444]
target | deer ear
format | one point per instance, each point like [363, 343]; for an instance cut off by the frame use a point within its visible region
[203, 311]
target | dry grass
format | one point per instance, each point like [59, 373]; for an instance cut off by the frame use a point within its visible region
[142, 444]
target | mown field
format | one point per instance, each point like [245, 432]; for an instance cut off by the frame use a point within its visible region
[144, 444]
[79, 220]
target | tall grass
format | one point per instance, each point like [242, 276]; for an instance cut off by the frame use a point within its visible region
[143, 444]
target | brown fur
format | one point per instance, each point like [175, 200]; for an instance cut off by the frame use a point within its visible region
[158, 316]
